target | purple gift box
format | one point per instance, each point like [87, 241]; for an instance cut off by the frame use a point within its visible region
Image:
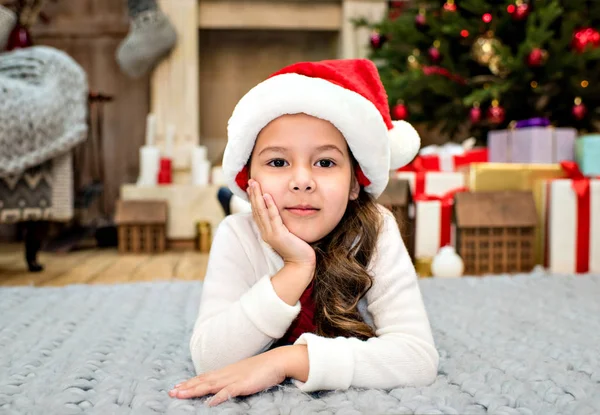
[532, 141]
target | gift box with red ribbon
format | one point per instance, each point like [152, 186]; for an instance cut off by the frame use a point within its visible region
[573, 222]
[424, 181]
[433, 222]
[448, 162]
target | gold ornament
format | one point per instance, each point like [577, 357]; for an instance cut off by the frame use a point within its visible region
[497, 67]
[484, 48]
[413, 63]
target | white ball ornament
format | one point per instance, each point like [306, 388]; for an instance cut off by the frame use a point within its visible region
[447, 264]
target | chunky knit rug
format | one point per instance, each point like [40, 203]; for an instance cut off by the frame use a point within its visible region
[528, 344]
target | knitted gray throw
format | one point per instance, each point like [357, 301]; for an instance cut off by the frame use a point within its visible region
[43, 107]
[523, 345]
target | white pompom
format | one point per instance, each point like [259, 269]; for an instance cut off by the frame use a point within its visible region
[447, 264]
[404, 144]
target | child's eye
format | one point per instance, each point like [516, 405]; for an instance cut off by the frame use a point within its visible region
[326, 163]
[277, 163]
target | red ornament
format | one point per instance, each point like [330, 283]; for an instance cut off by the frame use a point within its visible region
[537, 57]
[377, 40]
[584, 38]
[579, 110]
[19, 38]
[450, 6]
[475, 114]
[464, 33]
[495, 113]
[395, 9]
[400, 112]
[519, 12]
[420, 21]
[434, 54]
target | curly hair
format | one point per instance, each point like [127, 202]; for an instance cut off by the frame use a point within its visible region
[341, 276]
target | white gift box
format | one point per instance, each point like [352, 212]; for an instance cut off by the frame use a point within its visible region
[432, 230]
[432, 182]
[566, 222]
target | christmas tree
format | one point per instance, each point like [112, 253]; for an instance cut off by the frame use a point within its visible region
[484, 63]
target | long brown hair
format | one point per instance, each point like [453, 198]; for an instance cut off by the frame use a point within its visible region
[341, 276]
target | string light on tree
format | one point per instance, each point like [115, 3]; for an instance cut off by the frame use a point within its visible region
[464, 33]
[579, 109]
[519, 10]
[487, 17]
[584, 84]
[450, 6]
[496, 113]
[413, 63]
[400, 112]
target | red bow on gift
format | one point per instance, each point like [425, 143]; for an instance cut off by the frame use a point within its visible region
[446, 201]
[581, 186]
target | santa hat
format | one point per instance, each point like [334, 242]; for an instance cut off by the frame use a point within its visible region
[346, 92]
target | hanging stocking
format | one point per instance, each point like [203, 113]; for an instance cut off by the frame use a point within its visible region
[151, 37]
[7, 23]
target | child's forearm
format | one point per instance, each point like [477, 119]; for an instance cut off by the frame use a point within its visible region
[294, 360]
[291, 281]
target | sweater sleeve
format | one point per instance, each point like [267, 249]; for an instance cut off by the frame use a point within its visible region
[238, 316]
[403, 352]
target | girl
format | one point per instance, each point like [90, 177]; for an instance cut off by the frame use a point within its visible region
[315, 284]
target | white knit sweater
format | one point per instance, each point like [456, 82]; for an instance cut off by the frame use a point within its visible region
[241, 315]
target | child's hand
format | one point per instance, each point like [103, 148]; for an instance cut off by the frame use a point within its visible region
[266, 215]
[246, 377]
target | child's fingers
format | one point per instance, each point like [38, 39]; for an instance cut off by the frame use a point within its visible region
[274, 216]
[200, 389]
[260, 207]
[224, 394]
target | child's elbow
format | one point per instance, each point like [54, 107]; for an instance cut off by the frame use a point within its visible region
[200, 359]
[429, 369]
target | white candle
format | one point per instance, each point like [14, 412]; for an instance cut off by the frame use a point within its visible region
[149, 165]
[201, 173]
[169, 140]
[150, 129]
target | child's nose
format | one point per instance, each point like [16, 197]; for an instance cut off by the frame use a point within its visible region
[302, 180]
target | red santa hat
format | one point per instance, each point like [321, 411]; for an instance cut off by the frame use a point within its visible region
[346, 92]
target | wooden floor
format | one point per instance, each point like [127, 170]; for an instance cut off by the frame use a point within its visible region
[99, 266]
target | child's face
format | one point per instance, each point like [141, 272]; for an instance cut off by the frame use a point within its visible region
[303, 160]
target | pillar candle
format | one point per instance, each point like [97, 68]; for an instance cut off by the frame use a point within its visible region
[149, 165]
[150, 129]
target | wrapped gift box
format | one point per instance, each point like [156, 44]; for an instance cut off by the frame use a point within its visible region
[532, 144]
[431, 182]
[512, 176]
[587, 154]
[434, 227]
[573, 225]
[447, 162]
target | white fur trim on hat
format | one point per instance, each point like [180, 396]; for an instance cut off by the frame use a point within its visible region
[404, 144]
[357, 118]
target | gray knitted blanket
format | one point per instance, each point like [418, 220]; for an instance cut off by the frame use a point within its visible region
[43, 107]
[523, 345]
